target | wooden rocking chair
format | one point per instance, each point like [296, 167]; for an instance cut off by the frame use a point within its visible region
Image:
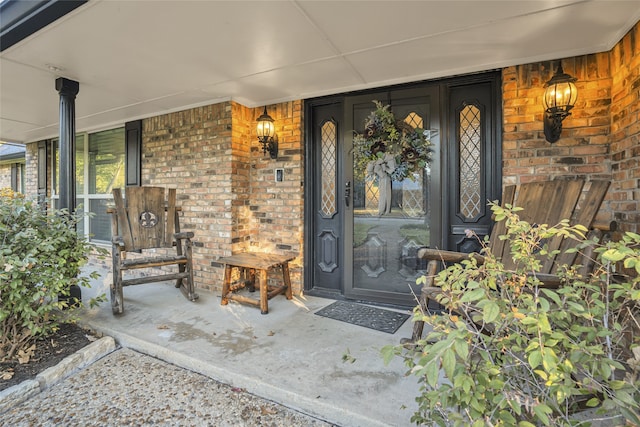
[543, 203]
[148, 221]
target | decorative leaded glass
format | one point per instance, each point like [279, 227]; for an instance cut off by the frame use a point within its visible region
[470, 173]
[412, 191]
[329, 145]
[414, 120]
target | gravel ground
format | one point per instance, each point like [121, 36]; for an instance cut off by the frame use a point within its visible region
[130, 388]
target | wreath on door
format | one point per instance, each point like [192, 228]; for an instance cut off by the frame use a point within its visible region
[390, 150]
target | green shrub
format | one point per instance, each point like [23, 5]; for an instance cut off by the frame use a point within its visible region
[509, 351]
[40, 259]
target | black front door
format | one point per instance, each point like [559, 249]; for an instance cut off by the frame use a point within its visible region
[326, 212]
[356, 250]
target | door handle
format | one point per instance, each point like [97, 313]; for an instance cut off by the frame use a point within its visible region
[347, 192]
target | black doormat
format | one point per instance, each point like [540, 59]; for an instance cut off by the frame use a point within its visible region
[363, 315]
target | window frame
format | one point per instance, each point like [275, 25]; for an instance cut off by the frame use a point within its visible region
[84, 197]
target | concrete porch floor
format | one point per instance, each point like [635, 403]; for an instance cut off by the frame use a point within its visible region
[290, 356]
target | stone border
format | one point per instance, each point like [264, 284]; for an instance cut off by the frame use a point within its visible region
[18, 393]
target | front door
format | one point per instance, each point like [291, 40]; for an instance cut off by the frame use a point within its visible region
[364, 229]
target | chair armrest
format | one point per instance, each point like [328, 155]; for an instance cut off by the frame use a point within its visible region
[118, 241]
[549, 281]
[447, 256]
[183, 235]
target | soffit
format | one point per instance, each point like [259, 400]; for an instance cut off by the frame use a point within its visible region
[142, 58]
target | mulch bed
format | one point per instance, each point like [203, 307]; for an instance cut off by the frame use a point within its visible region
[48, 352]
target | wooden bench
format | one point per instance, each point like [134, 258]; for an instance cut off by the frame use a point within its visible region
[248, 263]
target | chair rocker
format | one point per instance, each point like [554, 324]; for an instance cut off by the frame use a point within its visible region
[543, 203]
[148, 221]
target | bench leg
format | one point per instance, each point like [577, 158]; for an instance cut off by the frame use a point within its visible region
[287, 280]
[226, 284]
[264, 293]
[251, 279]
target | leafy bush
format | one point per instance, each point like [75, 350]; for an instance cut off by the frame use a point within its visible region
[509, 351]
[40, 259]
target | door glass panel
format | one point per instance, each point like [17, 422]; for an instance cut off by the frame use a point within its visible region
[470, 166]
[328, 144]
[390, 216]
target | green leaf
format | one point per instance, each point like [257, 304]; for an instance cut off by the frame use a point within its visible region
[535, 359]
[473, 295]
[593, 402]
[462, 348]
[613, 255]
[528, 321]
[448, 362]
[549, 293]
[543, 323]
[490, 312]
[549, 360]
[617, 384]
[542, 412]
[432, 373]
[387, 352]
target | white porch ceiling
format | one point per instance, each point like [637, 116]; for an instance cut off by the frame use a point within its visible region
[137, 59]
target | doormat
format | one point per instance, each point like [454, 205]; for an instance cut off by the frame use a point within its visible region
[363, 315]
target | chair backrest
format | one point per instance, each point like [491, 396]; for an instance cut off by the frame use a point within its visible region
[550, 202]
[148, 219]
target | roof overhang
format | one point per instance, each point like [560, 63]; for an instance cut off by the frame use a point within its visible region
[137, 59]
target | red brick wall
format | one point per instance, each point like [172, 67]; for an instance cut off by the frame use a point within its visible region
[242, 138]
[226, 185]
[192, 151]
[600, 138]
[277, 207]
[584, 144]
[625, 130]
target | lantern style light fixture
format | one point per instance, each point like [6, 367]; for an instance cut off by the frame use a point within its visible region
[560, 96]
[267, 135]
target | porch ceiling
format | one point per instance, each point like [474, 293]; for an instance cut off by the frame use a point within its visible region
[137, 59]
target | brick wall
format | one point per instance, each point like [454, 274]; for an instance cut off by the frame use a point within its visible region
[31, 169]
[277, 207]
[583, 148]
[191, 151]
[625, 130]
[5, 176]
[242, 228]
[600, 138]
[226, 185]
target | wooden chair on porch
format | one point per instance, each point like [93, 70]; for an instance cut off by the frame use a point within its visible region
[543, 203]
[146, 219]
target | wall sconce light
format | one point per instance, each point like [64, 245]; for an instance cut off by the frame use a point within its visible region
[560, 96]
[267, 135]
